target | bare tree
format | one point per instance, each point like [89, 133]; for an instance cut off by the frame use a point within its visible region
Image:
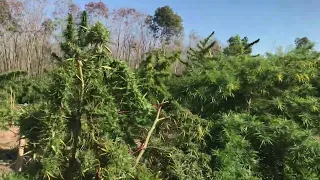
[28, 37]
[130, 34]
[97, 11]
[26, 47]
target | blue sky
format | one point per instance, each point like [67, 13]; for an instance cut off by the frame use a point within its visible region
[275, 22]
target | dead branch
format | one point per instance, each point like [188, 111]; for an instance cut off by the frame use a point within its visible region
[150, 133]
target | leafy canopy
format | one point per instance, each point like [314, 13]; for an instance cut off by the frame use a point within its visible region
[165, 23]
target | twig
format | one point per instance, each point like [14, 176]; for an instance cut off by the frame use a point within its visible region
[149, 134]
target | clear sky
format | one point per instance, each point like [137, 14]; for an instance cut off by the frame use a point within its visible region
[275, 22]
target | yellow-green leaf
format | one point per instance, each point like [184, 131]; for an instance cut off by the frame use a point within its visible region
[280, 77]
[106, 67]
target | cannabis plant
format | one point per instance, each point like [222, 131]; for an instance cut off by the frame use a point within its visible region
[264, 113]
[80, 131]
[10, 87]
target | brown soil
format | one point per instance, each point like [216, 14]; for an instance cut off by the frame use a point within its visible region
[8, 143]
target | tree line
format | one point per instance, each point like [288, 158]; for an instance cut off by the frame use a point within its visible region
[29, 34]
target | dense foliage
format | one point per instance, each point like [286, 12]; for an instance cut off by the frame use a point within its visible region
[165, 23]
[228, 116]
[10, 87]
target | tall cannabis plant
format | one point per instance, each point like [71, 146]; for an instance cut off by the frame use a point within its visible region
[155, 72]
[79, 131]
[176, 150]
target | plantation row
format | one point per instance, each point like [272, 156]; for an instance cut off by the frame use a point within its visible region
[229, 115]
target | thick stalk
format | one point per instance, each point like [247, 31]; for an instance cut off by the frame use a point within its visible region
[149, 135]
[77, 129]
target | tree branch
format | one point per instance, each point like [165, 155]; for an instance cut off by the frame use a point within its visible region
[149, 134]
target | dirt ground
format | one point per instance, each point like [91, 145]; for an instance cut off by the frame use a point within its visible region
[8, 144]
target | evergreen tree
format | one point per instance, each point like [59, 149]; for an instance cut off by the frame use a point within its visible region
[303, 43]
[165, 24]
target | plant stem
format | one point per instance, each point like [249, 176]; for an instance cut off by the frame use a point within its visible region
[79, 63]
[77, 128]
[149, 134]
[12, 99]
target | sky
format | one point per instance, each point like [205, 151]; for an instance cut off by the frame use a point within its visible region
[275, 22]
